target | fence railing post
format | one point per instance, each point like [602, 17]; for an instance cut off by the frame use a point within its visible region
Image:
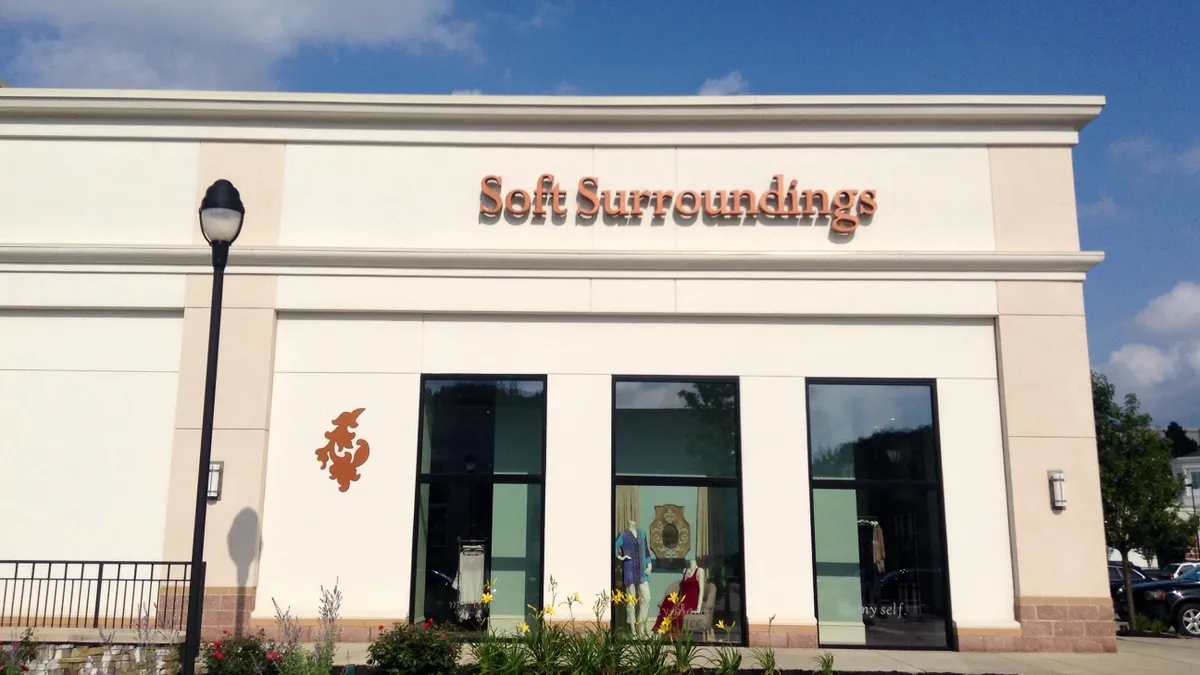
[99, 586]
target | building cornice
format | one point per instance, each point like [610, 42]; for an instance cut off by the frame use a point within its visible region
[1060, 112]
[599, 261]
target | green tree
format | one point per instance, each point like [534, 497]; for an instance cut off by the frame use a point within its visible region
[1181, 444]
[1138, 489]
[1178, 535]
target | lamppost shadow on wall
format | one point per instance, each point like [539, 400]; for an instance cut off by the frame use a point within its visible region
[244, 546]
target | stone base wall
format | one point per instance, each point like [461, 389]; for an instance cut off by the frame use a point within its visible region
[226, 609]
[70, 659]
[782, 636]
[1051, 625]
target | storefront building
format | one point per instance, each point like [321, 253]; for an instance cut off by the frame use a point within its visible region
[821, 359]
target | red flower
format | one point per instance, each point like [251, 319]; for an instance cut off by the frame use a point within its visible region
[427, 624]
[217, 644]
[380, 626]
[272, 656]
[24, 668]
[218, 655]
[443, 636]
[225, 632]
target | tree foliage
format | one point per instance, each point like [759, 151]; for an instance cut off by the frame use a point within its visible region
[1181, 444]
[1138, 489]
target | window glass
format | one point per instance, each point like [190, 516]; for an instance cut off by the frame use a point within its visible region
[479, 511]
[872, 431]
[672, 428]
[677, 532]
[483, 426]
[878, 526]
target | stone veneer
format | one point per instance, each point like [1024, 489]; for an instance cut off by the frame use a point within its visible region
[226, 609]
[1051, 625]
[801, 636]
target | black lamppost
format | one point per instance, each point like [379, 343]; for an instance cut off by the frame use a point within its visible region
[221, 215]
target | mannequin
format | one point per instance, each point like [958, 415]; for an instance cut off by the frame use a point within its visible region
[633, 550]
[689, 598]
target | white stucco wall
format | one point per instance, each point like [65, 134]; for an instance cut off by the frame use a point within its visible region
[327, 364]
[87, 402]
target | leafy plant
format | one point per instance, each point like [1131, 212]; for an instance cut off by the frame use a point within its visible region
[765, 656]
[148, 654]
[1145, 624]
[726, 659]
[683, 653]
[408, 648]
[240, 655]
[19, 654]
[647, 656]
[824, 663]
[294, 659]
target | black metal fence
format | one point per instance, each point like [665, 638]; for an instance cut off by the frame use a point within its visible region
[110, 594]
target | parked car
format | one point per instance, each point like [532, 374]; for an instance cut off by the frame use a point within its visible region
[1174, 601]
[1116, 579]
[1175, 570]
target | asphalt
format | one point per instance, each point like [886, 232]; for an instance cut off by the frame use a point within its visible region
[1135, 656]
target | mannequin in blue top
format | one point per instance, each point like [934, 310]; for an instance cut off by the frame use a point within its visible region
[633, 550]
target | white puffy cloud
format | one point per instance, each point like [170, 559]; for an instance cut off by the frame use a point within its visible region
[1151, 156]
[1163, 368]
[212, 44]
[731, 84]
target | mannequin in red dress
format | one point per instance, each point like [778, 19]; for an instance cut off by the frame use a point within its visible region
[689, 597]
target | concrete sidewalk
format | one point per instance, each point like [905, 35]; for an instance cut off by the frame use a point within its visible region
[1136, 656]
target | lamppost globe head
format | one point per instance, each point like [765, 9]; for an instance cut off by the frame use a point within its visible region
[221, 213]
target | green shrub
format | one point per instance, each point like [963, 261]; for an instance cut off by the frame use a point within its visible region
[1145, 624]
[249, 654]
[407, 648]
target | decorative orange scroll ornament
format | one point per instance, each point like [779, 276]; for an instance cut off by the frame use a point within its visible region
[343, 461]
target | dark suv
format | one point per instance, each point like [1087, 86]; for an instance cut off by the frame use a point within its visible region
[1175, 601]
[1116, 580]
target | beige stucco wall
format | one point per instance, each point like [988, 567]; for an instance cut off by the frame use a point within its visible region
[244, 374]
[1045, 383]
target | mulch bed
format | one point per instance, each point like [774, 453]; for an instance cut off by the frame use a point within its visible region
[364, 670]
[1146, 634]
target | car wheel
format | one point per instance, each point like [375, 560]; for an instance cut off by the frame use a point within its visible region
[1187, 620]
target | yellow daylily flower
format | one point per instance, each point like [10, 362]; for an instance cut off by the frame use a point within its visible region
[662, 630]
[576, 597]
[631, 599]
[721, 625]
[674, 597]
[550, 610]
[486, 598]
[618, 597]
[524, 628]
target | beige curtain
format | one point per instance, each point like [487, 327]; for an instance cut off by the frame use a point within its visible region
[700, 532]
[627, 507]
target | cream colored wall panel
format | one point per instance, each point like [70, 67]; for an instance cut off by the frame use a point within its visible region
[1034, 193]
[976, 496]
[102, 291]
[578, 505]
[1049, 298]
[836, 297]
[434, 294]
[1047, 377]
[775, 500]
[243, 368]
[404, 196]
[962, 348]
[97, 192]
[72, 341]
[391, 196]
[930, 199]
[1045, 538]
[312, 532]
[86, 461]
[652, 296]
[348, 344]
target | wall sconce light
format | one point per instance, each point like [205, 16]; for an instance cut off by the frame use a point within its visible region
[1058, 495]
[216, 475]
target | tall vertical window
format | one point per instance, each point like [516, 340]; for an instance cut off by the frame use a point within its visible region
[479, 517]
[677, 508]
[878, 520]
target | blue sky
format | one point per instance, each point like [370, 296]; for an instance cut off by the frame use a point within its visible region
[1137, 167]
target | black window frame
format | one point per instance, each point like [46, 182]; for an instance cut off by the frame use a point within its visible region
[474, 479]
[725, 482]
[936, 486]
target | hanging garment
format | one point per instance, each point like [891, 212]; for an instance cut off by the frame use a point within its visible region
[878, 554]
[637, 549]
[689, 600]
[470, 577]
